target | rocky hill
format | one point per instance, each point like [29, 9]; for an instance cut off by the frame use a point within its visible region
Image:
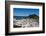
[34, 16]
[26, 21]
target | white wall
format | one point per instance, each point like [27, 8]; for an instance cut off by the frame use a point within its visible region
[2, 17]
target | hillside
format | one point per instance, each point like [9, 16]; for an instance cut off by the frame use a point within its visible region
[34, 16]
[26, 21]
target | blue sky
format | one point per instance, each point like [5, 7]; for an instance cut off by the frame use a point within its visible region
[25, 11]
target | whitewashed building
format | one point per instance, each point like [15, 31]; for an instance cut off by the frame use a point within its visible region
[26, 22]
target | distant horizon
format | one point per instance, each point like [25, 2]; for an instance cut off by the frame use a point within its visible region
[28, 15]
[25, 12]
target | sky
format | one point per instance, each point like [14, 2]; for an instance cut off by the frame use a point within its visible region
[25, 11]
